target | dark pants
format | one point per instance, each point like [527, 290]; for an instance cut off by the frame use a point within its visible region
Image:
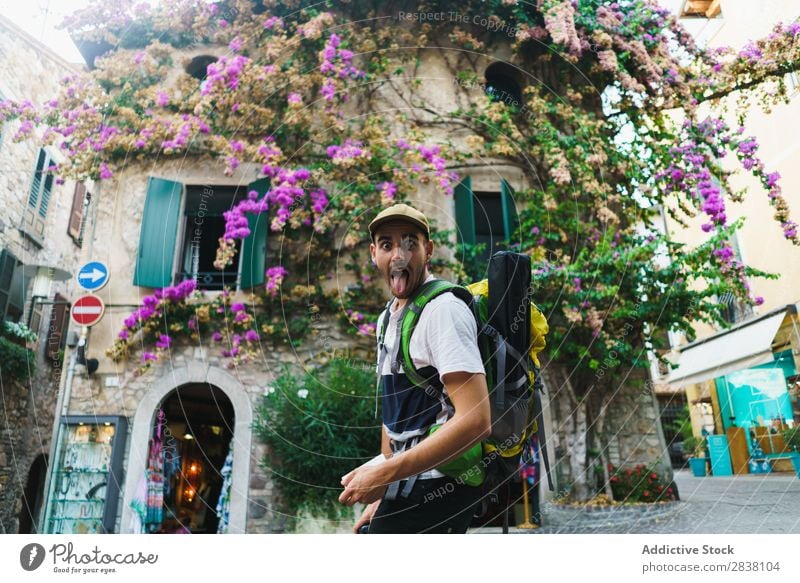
[437, 505]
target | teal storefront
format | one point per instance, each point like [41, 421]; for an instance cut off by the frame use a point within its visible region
[743, 386]
[757, 396]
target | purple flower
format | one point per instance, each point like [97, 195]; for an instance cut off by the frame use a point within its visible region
[235, 45]
[272, 22]
[294, 98]
[216, 336]
[388, 189]
[105, 172]
[772, 178]
[237, 307]
[748, 146]
[328, 90]
[163, 341]
[162, 99]
[123, 334]
[148, 357]
[251, 336]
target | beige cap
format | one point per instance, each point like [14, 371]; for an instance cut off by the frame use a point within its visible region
[400, 212]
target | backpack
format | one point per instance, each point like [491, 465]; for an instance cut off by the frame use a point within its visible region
[511, 333]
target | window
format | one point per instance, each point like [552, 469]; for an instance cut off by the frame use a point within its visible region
[39, 197]
[734, 310]
[13, 287]
[57, 330]
[198, 66]
[502, 84]
[203, 225]
[192, 236]
[485, 217]
[700, 9]
[80, 200]
[792, 81]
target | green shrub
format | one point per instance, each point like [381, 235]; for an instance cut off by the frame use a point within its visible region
[16, 362]
[792, 437]
[694, 446]
[319, 425]
[640, 483]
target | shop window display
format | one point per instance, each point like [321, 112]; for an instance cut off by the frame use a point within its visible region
[85, 484]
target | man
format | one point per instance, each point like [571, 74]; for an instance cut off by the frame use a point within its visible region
[405, 493]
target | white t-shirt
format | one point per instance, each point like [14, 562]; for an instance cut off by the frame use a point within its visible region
[445, 337]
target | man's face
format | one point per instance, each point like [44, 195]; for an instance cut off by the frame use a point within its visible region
[401, 253]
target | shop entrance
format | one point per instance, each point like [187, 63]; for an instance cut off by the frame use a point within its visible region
[192, 442]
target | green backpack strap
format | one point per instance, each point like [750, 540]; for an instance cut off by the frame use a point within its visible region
[410, 318]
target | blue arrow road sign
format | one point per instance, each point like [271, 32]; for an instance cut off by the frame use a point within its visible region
[93, 275]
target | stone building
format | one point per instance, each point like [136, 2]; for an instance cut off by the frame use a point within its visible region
[41, 234]
[141, 227]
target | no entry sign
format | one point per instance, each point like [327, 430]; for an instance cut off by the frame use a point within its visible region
[87, 310]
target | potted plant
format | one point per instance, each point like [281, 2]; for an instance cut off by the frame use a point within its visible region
[695, 447]
[792, 439]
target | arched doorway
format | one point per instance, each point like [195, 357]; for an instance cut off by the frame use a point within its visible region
[32, 496]
[142, 431]
[189, 460]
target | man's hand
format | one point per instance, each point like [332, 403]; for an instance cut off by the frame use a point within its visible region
[366, 516]
[365, 484]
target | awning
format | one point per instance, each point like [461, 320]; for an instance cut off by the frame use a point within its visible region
[748, 344]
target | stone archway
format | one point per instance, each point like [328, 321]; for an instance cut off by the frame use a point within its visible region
[242, 437]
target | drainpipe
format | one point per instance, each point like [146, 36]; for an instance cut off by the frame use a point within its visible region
[62, 408]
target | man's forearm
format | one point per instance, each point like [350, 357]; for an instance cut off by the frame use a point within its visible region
[386, 448]
[453, 438]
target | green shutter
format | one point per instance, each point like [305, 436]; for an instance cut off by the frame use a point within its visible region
[159, 233]
[465, 212]
[254, 247]
[510, 217]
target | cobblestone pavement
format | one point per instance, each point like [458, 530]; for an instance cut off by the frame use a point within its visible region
[745, 504]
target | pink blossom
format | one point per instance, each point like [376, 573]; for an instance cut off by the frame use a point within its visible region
[275, 276]
[235, 45]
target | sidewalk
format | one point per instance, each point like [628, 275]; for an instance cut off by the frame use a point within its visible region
[746, 504]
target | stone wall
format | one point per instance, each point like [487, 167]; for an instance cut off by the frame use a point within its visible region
[631, 433]
[28, 70]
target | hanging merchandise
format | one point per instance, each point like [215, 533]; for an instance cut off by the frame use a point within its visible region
[529, 461]
[172, 466]
[139, 506]
[224, 502]
[155, 479]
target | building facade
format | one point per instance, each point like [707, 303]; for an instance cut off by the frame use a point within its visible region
[115, 423]
[41, 234]
[741, 381]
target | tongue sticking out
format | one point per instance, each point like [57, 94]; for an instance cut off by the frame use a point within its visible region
[399, 283]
